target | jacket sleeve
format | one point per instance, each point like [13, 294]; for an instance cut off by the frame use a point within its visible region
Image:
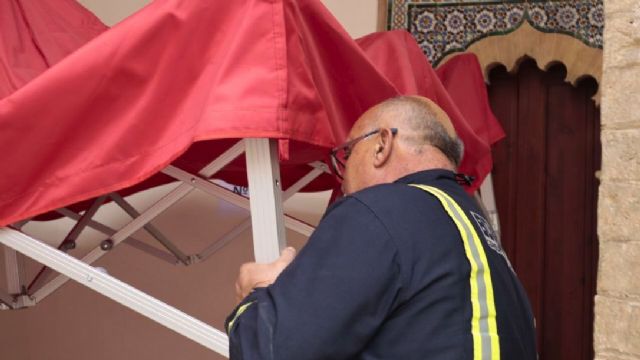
[329, 302]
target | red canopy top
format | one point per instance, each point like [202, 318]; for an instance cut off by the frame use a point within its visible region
[34, 35]
[163, 84]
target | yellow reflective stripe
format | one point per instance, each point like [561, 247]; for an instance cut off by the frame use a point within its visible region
[241, 310]
[484, 328]
[490, 314]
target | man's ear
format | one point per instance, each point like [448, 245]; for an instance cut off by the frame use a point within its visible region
[383, 147]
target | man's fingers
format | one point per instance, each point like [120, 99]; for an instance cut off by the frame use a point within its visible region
[239, 296]
[254, 275]
[287, 256]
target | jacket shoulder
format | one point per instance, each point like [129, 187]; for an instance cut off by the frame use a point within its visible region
[396, 197]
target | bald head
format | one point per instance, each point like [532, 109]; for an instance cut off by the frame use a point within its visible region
[418, 112]
[423, 122]
[425, 139]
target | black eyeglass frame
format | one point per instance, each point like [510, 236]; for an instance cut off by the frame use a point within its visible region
[348, 146]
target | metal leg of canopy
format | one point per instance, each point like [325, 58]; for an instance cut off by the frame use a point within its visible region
[267, 221]
[14, 265]
[6, 301]
[267, 217]
[13, 297]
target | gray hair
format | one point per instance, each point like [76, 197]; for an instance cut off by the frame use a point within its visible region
[423, 120]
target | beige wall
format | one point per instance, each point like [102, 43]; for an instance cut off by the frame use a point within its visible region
[617, 312]
[113, 11]
[359, 17]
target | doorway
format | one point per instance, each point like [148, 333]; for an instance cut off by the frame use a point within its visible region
[546, 194]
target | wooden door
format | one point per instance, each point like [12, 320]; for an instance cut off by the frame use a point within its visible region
[546, 192]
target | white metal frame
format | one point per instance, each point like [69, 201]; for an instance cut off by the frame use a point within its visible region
[294, 224]
[267, 217]
[115, 289]
[267, 220]
[69, 241]
[131, 241]
[13, 297]
[15, 271]
[172, 248]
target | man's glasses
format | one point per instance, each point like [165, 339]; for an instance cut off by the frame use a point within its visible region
[340, 154]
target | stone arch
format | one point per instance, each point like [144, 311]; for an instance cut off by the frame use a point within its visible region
[547, 49]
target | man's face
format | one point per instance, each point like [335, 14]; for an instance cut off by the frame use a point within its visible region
[358, 167]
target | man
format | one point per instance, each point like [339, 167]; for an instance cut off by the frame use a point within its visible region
[403, 267]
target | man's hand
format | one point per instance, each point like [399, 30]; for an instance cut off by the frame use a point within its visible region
[253, 275]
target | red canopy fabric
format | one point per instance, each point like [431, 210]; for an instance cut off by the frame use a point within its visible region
[34, 35]
[462, 77]
[181, 81]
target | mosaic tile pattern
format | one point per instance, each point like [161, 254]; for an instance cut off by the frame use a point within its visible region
[444, 27]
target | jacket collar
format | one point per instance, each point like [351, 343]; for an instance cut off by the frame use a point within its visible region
[428, 177]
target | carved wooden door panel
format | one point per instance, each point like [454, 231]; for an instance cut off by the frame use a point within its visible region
[546, 193]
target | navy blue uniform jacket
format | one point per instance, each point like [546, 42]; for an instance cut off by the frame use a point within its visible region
[384, 276]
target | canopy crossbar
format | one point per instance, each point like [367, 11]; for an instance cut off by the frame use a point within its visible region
[157, 234]
[117, 290]
[131, 241]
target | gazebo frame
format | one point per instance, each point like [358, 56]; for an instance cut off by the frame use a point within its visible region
[268, 223]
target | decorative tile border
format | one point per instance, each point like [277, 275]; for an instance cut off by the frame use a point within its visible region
[444, 27]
